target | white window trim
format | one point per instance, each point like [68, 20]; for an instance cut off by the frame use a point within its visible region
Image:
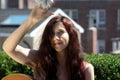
[3, 4]
[21, 4]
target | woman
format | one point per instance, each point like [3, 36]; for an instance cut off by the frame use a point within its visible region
[59, 56]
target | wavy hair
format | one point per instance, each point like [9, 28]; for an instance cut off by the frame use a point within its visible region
[47, 55]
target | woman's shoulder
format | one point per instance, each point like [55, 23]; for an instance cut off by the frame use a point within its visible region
[87, 65]
[89, 70]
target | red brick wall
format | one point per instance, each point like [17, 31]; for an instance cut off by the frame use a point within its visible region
[83, 7]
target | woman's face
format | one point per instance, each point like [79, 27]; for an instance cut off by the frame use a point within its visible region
[60, 39]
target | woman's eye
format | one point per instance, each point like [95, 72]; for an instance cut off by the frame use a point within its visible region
[60, 32]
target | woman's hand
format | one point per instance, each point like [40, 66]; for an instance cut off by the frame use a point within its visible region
[38, 14]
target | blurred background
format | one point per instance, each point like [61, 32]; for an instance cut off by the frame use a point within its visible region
[99, 22]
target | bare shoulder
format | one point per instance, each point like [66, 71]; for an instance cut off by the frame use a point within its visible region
[89, 71]
[88, 65]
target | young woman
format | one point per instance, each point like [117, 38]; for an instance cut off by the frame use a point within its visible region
[59, 56]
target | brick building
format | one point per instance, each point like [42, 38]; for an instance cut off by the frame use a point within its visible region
[102, 14]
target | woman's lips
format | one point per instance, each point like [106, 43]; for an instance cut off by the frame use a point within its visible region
[58, 43]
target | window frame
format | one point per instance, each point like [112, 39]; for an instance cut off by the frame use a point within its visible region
[94, 20]
[71, 14]
[101, 46]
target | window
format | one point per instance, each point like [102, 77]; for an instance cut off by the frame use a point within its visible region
[13, 4]
[101, 46]
[5, 4]
[72, 14]
[116, 44]
[119, 18]
[97, 18]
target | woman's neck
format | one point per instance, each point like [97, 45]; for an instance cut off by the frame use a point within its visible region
[61, 58]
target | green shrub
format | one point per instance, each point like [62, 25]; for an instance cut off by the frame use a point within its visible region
[9, 66]
[106, 66]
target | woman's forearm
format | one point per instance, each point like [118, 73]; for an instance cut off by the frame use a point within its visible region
[13, 40]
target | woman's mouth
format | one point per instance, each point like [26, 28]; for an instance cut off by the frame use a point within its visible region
[58, 43]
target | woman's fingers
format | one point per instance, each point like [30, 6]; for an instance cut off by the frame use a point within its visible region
[38, 14]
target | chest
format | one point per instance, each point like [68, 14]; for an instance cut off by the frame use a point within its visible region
[62, 73]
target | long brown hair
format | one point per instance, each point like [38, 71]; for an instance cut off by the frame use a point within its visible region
[47, 55]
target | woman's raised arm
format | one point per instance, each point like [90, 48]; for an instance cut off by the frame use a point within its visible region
[10, 45]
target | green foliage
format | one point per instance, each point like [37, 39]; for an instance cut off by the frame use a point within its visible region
[9, 66]
[106, 66]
